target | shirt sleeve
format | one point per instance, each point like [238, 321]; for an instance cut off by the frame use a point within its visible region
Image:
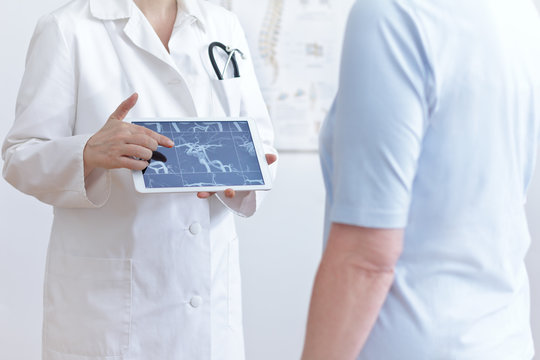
[380, 115]
[245, 203]
[42, 156]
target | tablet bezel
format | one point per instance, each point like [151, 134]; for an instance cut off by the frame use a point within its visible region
[138, 177]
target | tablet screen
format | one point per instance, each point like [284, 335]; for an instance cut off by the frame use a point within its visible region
[205, 153]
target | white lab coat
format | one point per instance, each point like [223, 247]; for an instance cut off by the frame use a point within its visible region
[131, 276]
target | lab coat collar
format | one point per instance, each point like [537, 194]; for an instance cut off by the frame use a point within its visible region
[122, 9]
[193, 8]
[111, 9]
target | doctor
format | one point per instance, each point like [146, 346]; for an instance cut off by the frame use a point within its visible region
[131, 276]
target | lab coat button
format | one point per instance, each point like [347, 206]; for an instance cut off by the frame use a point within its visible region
[195, 228]
[195, 301]
[175, 82]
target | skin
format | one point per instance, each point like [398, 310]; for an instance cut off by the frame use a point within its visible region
[118, 144]
[161, 14]
[352, 283]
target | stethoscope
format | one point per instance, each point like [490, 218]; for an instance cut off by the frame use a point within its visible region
[231, 59]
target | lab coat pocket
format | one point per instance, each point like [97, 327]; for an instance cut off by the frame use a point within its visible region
[228, 94]
[87, 309]
[234, 285]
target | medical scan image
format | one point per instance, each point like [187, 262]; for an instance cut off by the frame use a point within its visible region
[205, 153]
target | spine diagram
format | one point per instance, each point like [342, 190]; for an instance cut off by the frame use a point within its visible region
[269, 35]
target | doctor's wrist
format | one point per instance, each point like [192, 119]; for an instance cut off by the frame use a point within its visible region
[88, 165]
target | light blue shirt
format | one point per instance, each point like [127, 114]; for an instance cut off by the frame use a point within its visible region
[434, 129]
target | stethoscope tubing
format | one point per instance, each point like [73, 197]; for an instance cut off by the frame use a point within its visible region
[230, 59]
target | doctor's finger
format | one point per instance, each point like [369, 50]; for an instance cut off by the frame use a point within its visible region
[230, 193]
[136, 151]
[125, 162]
[270, 158]
[160, 139]
[204, 194]
[143, 140]
[123, 109]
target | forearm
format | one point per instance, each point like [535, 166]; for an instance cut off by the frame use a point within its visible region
[353, 280]
[345, 304]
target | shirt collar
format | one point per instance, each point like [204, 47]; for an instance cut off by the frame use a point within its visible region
[122, 9]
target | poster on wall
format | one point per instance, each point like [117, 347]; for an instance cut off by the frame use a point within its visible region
[296, 48]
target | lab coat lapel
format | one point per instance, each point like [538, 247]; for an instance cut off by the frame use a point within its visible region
[141, 33]
[137, 28]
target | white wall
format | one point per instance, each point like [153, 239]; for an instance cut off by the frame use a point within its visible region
[279, 252]
[280, 246]
[24, 222]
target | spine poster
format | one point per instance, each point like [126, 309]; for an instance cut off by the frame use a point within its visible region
[296, 49]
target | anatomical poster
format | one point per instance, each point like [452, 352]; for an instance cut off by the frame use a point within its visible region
[296, 48]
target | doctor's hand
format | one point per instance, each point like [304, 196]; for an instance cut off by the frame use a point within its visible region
[230, 193]
[122, 145]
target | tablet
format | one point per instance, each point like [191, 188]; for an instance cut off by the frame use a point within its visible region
[208, 155]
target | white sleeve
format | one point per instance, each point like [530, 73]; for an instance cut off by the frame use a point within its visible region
[42, 156]
[245, 203]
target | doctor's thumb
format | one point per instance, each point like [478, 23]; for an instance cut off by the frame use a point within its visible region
[123, 109]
